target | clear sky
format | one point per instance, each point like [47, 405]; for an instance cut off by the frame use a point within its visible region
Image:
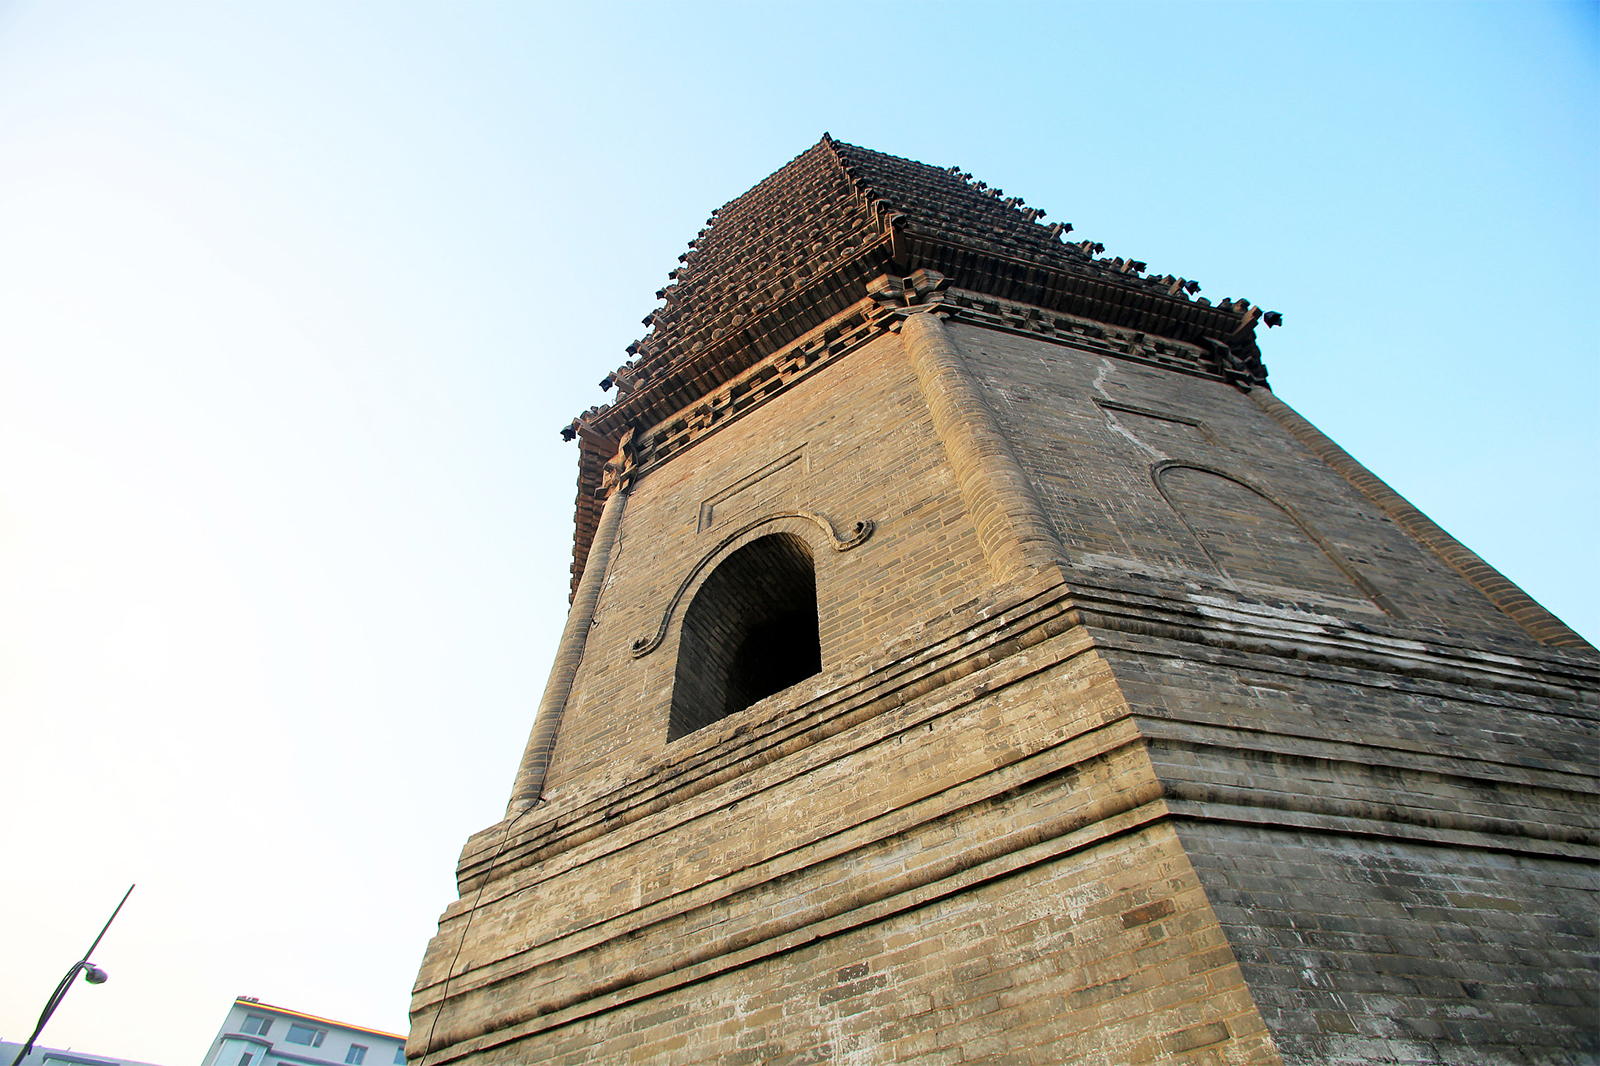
[294, 299]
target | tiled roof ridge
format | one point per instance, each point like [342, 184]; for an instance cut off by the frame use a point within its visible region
[857, 162]
[1031, 238]
[703, 294]
[804, 243]
[830, 203]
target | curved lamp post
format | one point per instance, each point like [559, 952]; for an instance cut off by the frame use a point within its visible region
[91, 973]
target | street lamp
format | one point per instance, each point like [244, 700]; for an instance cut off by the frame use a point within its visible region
[93, 974]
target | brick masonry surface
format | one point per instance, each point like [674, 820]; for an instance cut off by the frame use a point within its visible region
[1091, 457]
[1366, 952]
[868, 452]
[1246, 773]
[985, 861]
[1001, 973]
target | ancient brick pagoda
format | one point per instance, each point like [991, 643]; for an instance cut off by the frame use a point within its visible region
[971, 660]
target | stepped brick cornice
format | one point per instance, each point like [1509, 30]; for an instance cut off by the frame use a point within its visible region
[802, 245]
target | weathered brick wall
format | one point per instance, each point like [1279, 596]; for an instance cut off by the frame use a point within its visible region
[1404, 860]
[1091, 464]
[1364, 951]
[866, 451]
[1110, 957]
[855, 442]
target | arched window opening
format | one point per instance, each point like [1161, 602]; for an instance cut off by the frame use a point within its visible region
[750, 631]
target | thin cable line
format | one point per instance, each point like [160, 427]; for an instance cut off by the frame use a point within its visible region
[450, 974]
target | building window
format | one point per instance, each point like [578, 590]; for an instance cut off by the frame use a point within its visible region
[356, 1055]
[255, 1025]
[400, 1055]
[301, 1034]
[750, 631]
[234, 1052]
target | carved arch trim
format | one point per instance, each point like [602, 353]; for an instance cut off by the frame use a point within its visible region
[1160, 469]
[857, 537]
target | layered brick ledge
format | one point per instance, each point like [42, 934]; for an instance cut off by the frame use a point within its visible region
[1296, 644]
[979, 653]
[755, 928]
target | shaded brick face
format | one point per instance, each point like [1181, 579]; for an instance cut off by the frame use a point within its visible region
[1074, 419]
[1404, 866]
[1388, 953]
[1256, 544]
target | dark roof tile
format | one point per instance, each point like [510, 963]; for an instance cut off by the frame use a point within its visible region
[836, 202]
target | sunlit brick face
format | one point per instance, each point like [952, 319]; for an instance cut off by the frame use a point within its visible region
[751, 631]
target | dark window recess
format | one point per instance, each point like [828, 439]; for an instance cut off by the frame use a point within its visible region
[256, 1025]
[750, 631]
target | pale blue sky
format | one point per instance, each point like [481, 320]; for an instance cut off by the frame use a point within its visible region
[293, 299]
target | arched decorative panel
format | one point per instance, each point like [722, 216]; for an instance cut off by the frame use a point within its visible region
[1256, 541]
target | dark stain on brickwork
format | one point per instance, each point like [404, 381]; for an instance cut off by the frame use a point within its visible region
[1146, 914]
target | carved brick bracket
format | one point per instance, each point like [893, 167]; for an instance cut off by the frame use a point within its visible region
[1237, 356]
[843, 334]
[621, 468]
[920, 288]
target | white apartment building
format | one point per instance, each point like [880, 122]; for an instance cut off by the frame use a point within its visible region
[259, 1034]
